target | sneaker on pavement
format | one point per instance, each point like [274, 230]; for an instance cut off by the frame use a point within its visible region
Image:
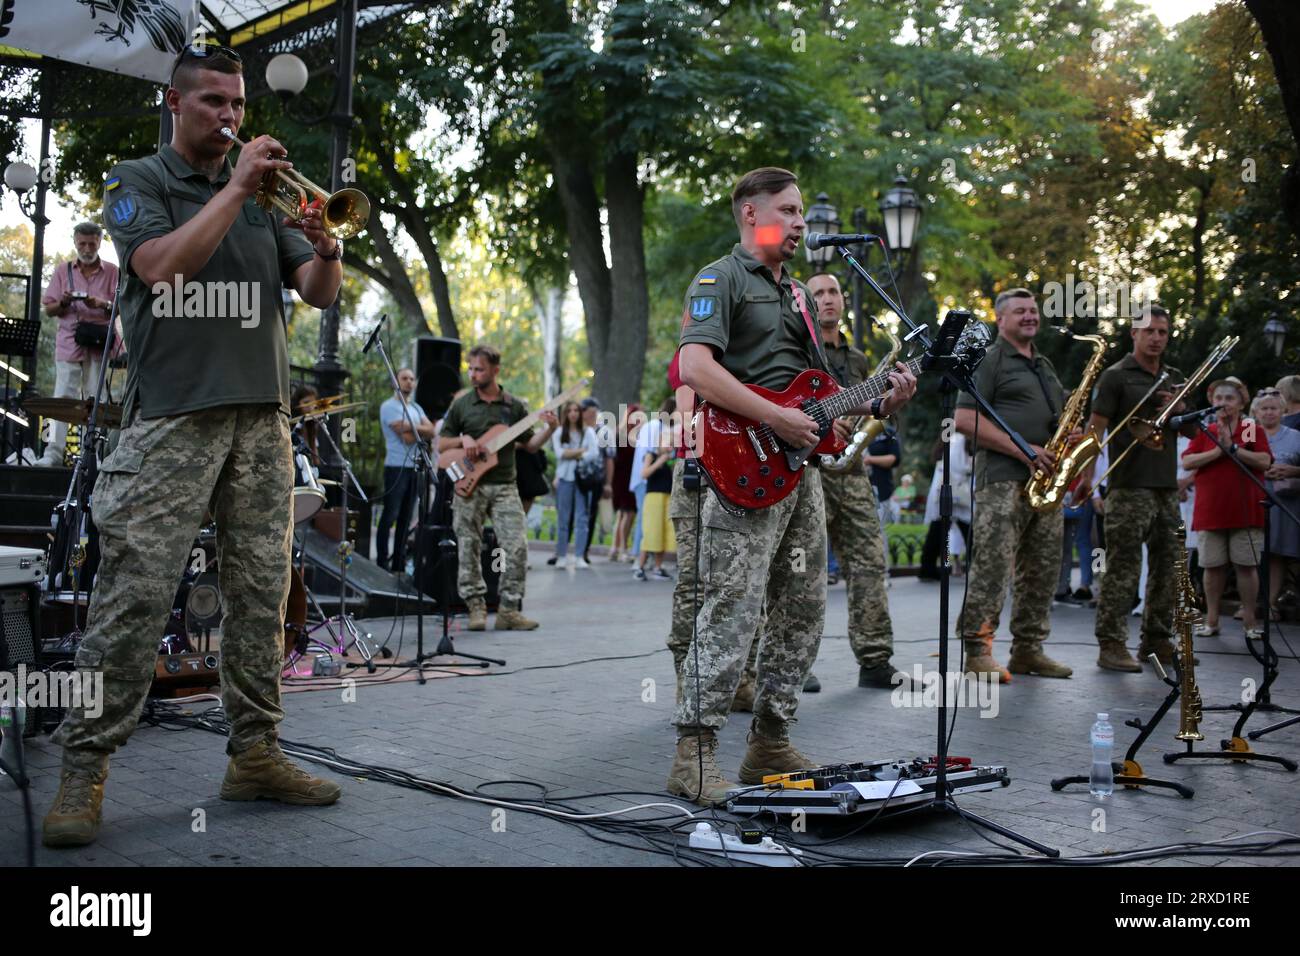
[639, 574]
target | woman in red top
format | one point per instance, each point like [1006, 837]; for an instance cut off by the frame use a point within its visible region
[1228, 518]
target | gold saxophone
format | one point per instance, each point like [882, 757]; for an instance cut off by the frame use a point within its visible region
[1048, 493]
[1186, 618]
[866, 429]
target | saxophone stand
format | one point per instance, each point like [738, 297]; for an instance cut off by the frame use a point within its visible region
[1236, 748]
[1130, 773]
[956, 374]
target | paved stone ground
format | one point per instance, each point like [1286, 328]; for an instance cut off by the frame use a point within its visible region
[568, 711]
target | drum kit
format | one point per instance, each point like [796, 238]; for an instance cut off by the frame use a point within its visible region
[197, 607]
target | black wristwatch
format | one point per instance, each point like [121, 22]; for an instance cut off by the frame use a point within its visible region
[875, 409]
[336, 255]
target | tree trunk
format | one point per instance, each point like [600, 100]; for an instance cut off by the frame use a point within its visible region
[399, 285]
[577, 191]
[621, 367]
[413, 217]
[549, 303]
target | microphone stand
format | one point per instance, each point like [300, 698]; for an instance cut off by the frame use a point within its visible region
[424, 470]
[1236, 748]
[82, 483]
[353, 638]
[955, 376]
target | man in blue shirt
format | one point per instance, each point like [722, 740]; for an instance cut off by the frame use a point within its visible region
[399, 468]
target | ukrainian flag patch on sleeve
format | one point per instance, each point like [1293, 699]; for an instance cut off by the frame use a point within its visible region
[113, 183]
[707, 278]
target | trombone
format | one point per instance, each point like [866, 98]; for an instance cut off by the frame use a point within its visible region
[1153, 429]
[343, 214]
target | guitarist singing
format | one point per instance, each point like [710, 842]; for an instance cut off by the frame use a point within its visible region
[747, 322]
[487, 404]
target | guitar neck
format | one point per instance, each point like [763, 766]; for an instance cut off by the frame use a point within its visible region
[871, 388]
[526, 423]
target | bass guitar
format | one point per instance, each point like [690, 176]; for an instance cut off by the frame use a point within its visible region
[467, 472]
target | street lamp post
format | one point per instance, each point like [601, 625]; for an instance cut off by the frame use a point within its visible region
[901, 211]
[1275, 335]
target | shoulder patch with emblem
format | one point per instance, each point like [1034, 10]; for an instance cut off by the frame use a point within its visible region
[113, 183]
[703, 307]
[124, 208]
[707, 278]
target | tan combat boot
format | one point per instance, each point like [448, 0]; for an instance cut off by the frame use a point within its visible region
[770, 753]
[509, 619]
[695, 774]
[1030, 659]
[743, 702]
[264, 771]
[477, 614]
[74, 818]
[1114, 656]
[979, 660]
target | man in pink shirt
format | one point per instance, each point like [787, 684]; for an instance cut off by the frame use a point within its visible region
[79, 291]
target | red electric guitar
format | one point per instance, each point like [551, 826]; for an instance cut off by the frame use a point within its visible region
[750, 467]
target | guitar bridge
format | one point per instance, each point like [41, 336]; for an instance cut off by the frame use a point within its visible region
[758, 445]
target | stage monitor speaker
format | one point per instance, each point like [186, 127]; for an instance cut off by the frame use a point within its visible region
[437, 370]
[20, 633]
[431, 583]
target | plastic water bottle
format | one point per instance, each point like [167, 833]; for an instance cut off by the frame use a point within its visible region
[1102, 781]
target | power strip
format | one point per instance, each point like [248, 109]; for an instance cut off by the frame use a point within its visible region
[765, 853]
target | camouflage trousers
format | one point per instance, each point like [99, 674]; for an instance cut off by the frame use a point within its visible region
[853, 524]
[1012, 543]
[150, 498]
[501, 502]
[1134, 517]
[682, 506]
[681, 509]
[777, 554]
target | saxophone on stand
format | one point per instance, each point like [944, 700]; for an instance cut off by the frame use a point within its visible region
[1186, 617]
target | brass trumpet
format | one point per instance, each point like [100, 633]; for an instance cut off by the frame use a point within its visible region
[343, 214]
[1151, 432]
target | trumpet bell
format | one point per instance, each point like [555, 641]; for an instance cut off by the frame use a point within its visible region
[345, 213]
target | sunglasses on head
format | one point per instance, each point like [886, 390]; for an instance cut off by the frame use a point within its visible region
[201, 51]
[1267, 391]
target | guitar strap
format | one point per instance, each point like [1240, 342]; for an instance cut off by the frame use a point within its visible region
[802, 305]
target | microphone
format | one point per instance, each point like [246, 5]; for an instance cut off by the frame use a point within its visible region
[370, 342]
[816, 240]
[1179, 420]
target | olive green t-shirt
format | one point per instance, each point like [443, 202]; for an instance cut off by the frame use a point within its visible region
[219, 339]
[472, 415]
[1025, 392]
[1120, 387]
[736, 306]
[847, 363]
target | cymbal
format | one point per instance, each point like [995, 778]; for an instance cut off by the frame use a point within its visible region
[74, 411]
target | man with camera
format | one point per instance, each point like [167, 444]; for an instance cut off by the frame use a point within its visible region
[79, 295]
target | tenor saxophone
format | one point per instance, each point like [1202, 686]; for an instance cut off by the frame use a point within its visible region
[866, 429]
[1186, 618]
[1047, 492]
